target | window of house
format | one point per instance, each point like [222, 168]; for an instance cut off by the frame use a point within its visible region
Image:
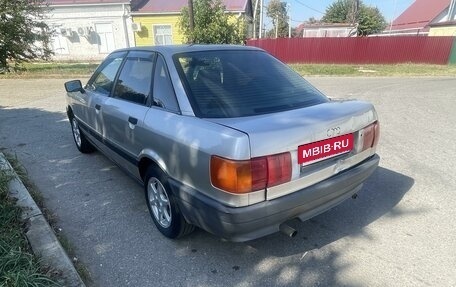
[163, 91]
[163, 35]
[105, 37]
[59, 45]
[135, 80]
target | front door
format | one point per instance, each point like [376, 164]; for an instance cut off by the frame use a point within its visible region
[98, 90]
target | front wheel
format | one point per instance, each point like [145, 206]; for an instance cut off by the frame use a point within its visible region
[80, 140]
[162, 205]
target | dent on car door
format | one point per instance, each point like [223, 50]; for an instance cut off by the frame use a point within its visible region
[124, 112]
[98, 90]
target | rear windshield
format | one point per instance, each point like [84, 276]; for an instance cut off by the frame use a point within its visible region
[226, 84]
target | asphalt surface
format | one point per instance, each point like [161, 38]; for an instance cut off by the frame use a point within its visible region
[399, 232]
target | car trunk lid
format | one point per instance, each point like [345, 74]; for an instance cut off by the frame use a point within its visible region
[292, 130]
[285, 131]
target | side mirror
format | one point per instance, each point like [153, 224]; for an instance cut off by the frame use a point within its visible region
[74, 86]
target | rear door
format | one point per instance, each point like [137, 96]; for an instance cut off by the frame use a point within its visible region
[124, 112]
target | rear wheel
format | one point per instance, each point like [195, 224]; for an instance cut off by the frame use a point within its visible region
[162, 205]
[80, 140]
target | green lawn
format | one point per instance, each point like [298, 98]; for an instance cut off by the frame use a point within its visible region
[54, 70]
[398, 70]
[18, 267]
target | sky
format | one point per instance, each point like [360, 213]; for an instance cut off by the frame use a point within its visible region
[301, 10]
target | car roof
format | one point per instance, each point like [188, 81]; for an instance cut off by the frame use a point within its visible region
[170, 50]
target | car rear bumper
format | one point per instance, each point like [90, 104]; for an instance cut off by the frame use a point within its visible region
[257, 220]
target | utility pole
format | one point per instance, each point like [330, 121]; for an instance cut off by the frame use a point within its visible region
[261, 19]
[254, 19]
[289, 19]
[355, 11]
[191, 18]
[394, 15]
[277, 26]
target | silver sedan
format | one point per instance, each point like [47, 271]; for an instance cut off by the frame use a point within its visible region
[225, 138]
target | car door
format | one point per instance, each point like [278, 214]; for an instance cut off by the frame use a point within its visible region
[98, 89]
[123, 113]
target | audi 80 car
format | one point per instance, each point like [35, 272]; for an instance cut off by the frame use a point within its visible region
[225, 138]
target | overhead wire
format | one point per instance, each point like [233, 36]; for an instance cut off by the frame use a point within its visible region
[307, 6]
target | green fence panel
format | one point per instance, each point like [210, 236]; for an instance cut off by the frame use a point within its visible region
[452, 59]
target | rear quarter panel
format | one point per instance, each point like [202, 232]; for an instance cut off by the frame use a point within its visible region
[183, 145]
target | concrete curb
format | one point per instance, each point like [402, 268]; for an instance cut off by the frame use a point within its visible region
[40, 235]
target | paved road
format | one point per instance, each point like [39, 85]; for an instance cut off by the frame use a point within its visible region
[399, 232]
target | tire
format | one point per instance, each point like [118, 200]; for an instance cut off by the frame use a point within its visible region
[80, 139]
[162, 205]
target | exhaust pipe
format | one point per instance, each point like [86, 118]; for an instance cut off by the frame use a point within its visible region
[287, 230]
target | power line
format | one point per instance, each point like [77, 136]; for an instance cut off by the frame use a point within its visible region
[305, 5]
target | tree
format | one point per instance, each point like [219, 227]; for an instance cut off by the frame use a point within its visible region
[211, 24]
[24, 36]
[277, 11]
[370, 20]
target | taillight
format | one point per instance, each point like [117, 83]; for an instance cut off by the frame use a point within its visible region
[371, 135]
[243, 176]
[279, 169]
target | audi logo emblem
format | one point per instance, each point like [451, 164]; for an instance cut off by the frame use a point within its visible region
[333, 132]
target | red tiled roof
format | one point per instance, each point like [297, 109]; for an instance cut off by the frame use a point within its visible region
[175, 6]
[420, 14]
[70, 2]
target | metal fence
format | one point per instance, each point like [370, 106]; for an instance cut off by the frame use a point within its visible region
[360, 50]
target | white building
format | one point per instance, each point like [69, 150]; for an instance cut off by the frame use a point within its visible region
[321, 30]
[89, 29]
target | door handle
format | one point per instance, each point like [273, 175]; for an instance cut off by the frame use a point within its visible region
[132, 120]
[97, 107]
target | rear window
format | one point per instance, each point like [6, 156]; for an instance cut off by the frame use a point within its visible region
[226, 84]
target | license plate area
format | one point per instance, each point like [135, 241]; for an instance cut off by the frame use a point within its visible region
[321, 150]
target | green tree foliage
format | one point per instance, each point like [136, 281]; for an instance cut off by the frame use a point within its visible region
[212, 24]
[277, 11]
[370, 20]
[24, 36]
[338, 12]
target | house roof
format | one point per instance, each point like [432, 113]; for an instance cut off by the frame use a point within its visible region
[72, 2]
[420, 14]
[175, 6]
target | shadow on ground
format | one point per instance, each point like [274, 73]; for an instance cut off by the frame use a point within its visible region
[101, 206]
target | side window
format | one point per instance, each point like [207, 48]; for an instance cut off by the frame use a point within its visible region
[104, 80]
[135, 80]
[163, 92]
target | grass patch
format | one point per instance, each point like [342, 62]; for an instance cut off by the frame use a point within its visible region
[50, 217]
[398, 70]
[18, 267]
[53, 70]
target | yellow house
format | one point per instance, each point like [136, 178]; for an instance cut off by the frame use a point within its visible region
[155, 22]
[443, 29]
